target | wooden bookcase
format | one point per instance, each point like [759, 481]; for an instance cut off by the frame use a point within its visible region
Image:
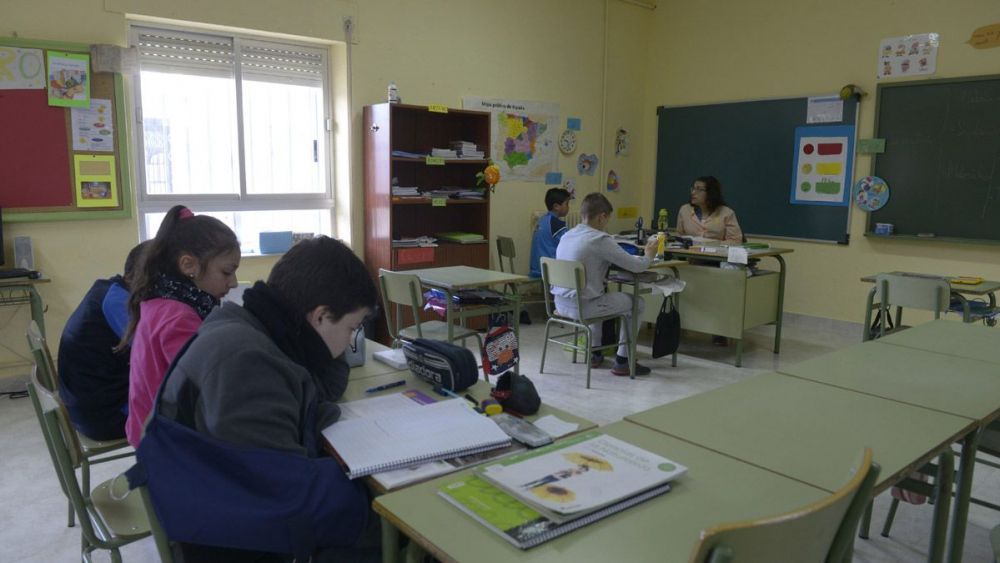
[416, 129]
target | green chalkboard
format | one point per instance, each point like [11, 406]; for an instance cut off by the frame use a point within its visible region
[749, 146]
[941, 159]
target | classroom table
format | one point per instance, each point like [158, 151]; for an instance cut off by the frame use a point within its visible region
[951, 384]
[450, 279]
[16, 291]
[952, 338]
[716, 489]
[984, 288]
[720, 302]
[803, 430]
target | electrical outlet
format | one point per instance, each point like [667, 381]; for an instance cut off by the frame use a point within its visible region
[348, 23]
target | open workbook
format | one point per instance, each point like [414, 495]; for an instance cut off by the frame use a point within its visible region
[383, 442]
[535, 496]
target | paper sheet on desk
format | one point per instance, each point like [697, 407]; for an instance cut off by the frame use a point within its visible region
[737, 255]
[667, 286]
[555, 426]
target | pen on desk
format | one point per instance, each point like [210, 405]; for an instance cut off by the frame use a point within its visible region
[386, 386]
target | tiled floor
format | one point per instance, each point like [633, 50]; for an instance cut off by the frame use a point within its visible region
[33, 510]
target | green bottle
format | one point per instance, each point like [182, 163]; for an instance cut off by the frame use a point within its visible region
[661, 221]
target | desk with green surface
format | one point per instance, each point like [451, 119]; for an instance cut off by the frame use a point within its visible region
[451, 279]
[804, 430]
[716, 489]
[984, 288]
[950, 338]
[961, 386]
[726, 302]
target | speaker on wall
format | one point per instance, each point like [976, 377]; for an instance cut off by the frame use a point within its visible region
[23, 257]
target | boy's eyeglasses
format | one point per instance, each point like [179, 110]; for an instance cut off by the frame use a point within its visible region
[696, 189]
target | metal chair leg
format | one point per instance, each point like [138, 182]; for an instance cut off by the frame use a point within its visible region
[545, 345]
[890, 517]
[866, 521]
[587, 334]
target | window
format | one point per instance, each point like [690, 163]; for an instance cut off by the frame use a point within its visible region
[235, 127]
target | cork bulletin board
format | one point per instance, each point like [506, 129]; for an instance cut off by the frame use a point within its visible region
[60, 163]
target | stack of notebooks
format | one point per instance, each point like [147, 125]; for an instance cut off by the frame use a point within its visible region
[384, 438]
[414, 242]
[461, 237]
[467, 150]
[455, 193]
[538, 495]
[444, 153]
[405, 191]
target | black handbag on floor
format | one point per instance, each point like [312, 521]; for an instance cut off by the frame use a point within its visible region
[667, 336]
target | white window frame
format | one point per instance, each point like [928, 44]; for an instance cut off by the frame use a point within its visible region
[243, 201]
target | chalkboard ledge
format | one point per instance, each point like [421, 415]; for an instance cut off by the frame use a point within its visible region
[954, 240]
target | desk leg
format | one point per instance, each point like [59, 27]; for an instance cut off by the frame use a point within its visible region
[516, 297]
[944, 484]
[781, 303]
[634, 337]
[960, 517]
[390, 542]
[448, 318]
[677, 305]
[37, 310]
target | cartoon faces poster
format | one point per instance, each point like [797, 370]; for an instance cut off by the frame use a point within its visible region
[908, 55]
[822, 166]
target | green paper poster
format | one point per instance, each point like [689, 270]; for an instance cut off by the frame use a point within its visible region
[69, 79]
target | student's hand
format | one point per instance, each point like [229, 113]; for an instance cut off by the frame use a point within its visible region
[651, 245]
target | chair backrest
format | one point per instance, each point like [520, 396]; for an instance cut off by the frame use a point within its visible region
[63, 450]
[43, 358]
[820, 532]
[401, 290]
[569, 274]
[913, 292]
[505, 249]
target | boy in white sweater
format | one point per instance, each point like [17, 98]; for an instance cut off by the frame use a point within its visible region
[589, 243]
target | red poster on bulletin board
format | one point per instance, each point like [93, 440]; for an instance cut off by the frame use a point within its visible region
[34, 156]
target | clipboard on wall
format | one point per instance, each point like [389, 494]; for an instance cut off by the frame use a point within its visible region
[48, 173]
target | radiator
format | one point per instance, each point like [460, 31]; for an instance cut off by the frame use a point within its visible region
[572, 219]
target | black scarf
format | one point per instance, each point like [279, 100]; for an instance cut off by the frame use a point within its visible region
[184, 290]
[298, 340]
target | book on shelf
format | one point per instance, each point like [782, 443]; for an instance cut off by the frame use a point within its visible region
[444, 153]
[408, 154]
[413, 242]
[398, 439]
[460, 237]
[517, 522]
[582, 475]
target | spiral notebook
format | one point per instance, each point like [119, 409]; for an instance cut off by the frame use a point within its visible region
[442, 430]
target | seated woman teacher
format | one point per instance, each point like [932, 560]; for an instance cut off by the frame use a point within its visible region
[707, 215]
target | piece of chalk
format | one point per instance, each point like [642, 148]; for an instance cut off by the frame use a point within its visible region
[925, 235]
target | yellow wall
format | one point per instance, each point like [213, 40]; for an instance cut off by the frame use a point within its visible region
[436, 51]
[724, 50]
